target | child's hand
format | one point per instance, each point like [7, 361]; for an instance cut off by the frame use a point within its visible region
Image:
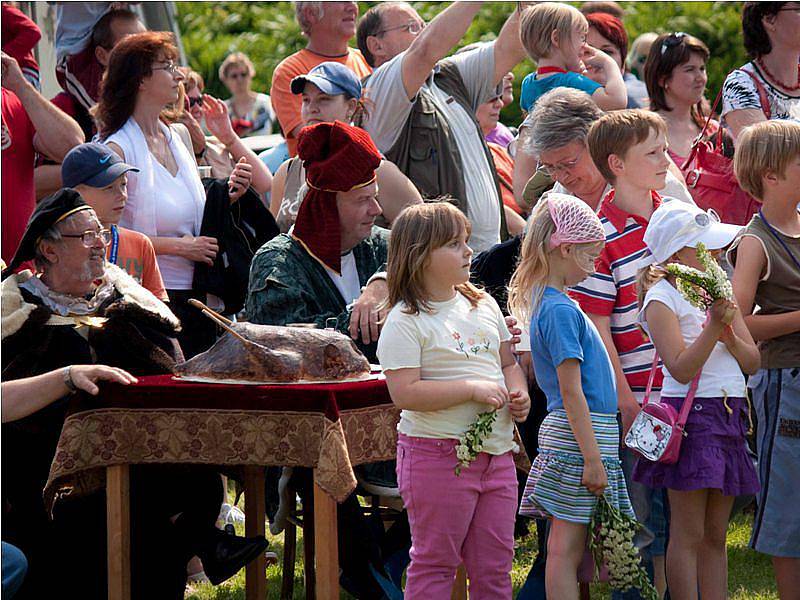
[594, 477]
[489, 392]
[519, 405]
[722, 312]
[595, 59]
[728, 337]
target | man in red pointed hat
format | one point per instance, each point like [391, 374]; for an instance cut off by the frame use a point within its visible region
[328, 270]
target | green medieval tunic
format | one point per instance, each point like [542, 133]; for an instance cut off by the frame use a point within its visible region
[288, 285]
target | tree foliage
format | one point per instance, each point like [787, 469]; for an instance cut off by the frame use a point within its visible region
[267, 32]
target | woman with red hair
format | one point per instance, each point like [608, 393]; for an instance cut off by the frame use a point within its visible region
[166, 197]
[607, 33]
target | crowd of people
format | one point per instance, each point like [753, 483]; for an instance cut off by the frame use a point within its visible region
[519, 284]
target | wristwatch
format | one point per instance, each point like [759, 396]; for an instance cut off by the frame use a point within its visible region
[68, 380]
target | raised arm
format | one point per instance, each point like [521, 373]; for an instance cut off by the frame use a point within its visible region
[435, 42]
[508, 49]
[219, 124]
[56, 132]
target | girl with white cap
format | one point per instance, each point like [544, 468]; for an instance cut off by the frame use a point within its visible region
[713, 467]
[578, 456]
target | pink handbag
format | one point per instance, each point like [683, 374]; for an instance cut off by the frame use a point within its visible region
[658, 429]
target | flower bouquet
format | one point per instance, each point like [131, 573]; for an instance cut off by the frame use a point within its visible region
[611, 542]
[470, 444]
[702, 288]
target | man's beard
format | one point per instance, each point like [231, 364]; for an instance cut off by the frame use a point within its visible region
[92, 269]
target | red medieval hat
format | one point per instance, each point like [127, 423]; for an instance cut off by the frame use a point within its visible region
[337, 158]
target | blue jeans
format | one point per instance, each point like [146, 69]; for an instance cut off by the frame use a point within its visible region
[15, 565]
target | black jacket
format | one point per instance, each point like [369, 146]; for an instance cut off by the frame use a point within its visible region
[240, 228]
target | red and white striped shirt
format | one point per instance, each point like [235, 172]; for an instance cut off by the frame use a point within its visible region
[611, 292]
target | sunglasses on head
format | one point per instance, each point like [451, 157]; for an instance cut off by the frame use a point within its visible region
[674, 39]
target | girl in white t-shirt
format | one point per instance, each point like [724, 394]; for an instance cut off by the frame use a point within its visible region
[713, 467]
[446, 353]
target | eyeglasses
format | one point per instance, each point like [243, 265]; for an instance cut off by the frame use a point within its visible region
[170, 68]
[194, 101]
[89, 237]
[674, 39]
[413, 27]
[564, 167]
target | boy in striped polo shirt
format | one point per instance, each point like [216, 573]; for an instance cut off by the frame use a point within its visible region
[629, 149]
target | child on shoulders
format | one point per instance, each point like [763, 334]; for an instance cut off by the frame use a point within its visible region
[554, 35]
[714, 466]
[579, 439]
[446, 353]
[766, 259]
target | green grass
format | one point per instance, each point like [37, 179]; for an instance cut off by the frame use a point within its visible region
[750, 574]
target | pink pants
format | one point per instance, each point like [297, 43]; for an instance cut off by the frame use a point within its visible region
[469, 519]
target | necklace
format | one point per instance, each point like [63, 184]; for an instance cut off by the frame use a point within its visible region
[791, 88]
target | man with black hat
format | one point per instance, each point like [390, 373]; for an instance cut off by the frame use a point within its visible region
[79, 309]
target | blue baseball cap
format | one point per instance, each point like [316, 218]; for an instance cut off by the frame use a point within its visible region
[332, 78]
[94, 165]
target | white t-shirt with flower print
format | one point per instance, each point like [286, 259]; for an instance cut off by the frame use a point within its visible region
[453, 342]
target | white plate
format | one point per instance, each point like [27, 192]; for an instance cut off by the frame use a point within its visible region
[201, 379]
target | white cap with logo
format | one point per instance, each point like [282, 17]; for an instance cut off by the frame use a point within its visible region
[675, 225]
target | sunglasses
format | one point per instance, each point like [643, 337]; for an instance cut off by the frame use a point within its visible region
[194, 101]
[674, 39]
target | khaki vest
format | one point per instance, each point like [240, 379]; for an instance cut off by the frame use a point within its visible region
[426, 150]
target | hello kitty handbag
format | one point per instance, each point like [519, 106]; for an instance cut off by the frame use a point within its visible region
[658, 429]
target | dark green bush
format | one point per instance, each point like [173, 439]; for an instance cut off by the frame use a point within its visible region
[268, 32]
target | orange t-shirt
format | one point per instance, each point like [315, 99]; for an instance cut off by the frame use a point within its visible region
[137, 258]
[287, 105]
[504, 165]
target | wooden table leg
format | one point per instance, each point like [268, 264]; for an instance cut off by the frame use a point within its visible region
[254, 515]
[118, 526]
[460, 585]
[326, 545]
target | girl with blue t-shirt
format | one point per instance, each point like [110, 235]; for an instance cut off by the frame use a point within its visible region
[579, 438]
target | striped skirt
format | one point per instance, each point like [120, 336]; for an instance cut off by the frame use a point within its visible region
[554, 485]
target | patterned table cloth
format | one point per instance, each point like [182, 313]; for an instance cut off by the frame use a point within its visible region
[330, 427]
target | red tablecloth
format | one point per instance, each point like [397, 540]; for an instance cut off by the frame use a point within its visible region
[329, 427]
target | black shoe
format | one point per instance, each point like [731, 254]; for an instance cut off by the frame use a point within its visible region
[229, 553]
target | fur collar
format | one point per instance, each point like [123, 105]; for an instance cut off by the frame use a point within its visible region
[15, 310]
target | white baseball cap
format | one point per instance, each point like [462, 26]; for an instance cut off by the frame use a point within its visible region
[675, 225]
